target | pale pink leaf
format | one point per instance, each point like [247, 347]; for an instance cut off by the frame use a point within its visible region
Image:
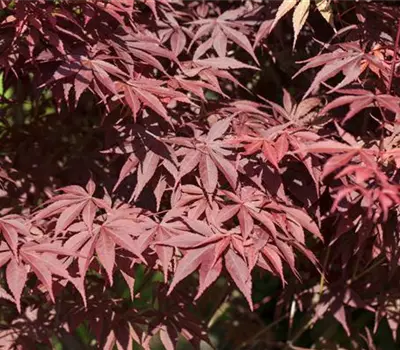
[299, 17]
[146, 171]
[189, 162]
[209, 272]
[223, 63]
[219, 42]
[178, 42]
[240, 39]
[226, 167]
[240, 274]
[68, 216]
[129, 166]
[88, 214]
[218, 129]
[208, 173]
[263, 31]
[304, 220]
[16, 276]
[186, 266]
[42, 271]
[105, 249]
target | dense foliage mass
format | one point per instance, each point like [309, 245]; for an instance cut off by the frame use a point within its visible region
[158, 157]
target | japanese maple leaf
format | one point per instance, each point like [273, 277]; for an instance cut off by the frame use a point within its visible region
[263, 31]
[176, 34]
[147, 153]
[16, 275]
[299, 114]
[221, 63]
[16, 233]
[150, 93]
[274, 142]
[11, 227]
[209, 155]
[343, 152]
[260, 251]
[41, 259]
[377, 195]
[194, 200]
[206, 75]
[249, 117]
[74, 201]
[224, 27]
[40, 24]
[196, 87]
[102, 69]
[273, 148]
[146, 170]
[380, 53]
[247, 201]
[110, 324]
[207, 250]
[150, 231]
[106, 235]
[348, 58]
[144, 48]
[358, 100]
[252, 205]
[87, 71]
[334, 301]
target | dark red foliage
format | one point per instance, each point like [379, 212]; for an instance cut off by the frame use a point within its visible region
[134, 135]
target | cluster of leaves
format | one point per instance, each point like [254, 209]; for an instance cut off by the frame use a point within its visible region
[139, 155]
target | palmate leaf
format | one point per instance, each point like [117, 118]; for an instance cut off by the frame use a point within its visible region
[115, 231]
[222, 28]
[343, 153]
[209, 248]
[86, 72]
[41, 259]
[359, 100]
[148, 93]
[173, 32]
[209, 257]
[210, 157]
[74, 201]
[346, 58]
[12, 227]
[16, 275]
[300, 114]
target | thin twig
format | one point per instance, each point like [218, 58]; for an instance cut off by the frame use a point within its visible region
[220, 306]
[323, 275]
[263, 331]
[364, 272]
[299, 334]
